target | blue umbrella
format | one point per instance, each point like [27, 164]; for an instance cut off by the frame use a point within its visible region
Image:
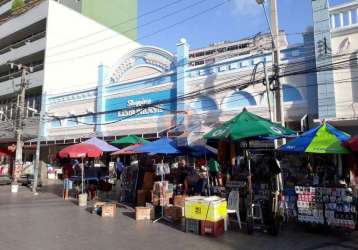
[324, 139]
[162, 146]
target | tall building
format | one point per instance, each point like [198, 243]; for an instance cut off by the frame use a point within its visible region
[336, 47]
[120, 15]
[62, 46]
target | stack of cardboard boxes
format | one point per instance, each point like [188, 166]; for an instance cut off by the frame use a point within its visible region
[162, 193]
[144, 194]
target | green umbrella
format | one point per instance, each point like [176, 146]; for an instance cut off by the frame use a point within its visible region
[247, 125]
[130, 140]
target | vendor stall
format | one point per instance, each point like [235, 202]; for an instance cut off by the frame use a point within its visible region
[321, 185]
[244, 128]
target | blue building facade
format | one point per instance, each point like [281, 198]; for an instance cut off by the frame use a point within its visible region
[151, 91]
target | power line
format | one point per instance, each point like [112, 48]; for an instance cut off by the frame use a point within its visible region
[131, 29]
[148, 35]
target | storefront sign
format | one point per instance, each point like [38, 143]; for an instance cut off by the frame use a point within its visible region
[144, 105]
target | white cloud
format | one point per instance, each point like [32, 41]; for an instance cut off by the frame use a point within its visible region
[247, 7]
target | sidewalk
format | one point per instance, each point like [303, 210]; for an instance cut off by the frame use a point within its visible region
[48, 222]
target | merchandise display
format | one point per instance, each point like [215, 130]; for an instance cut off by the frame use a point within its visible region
[325, 205]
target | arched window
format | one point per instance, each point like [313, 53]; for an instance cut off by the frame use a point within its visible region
[291, 94]
[56, 123]
[203, 104]
[238, 100]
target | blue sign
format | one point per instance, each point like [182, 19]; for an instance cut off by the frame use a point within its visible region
[143, 105]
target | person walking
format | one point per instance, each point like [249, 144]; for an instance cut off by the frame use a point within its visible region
[67, 173]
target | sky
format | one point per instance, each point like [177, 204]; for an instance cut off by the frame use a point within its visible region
[203, 22]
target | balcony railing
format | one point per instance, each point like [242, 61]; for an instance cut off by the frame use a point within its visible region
[23, 42]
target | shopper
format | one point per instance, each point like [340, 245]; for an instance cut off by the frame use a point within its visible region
[214, 169]
[67, 173]
[119, 168]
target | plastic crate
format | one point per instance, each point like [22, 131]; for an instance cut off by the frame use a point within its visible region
[212, 228]
[192, 226]
[205, 208]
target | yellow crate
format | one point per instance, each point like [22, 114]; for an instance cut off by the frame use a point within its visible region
[205, 208]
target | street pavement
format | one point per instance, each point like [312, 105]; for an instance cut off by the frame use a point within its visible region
[48, 222]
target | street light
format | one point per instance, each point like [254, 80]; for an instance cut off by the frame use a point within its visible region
[260, 1]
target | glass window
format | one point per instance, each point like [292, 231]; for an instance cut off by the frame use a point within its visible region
[72, 122]
[345, 18]
[354, 16]
[89, 119]
[291, 94]
[337, 21]
[222, 68]
[56, 123]
[245, 63]
[234, 66]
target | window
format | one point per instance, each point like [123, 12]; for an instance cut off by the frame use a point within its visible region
[245, 63]
[295, 53]
[56, 123]
[345, 18]
[89, 119]
[291, 94]
[238, 100]
[222, 68]
[234, 66]
[204, 104]
[337, 21]
[354, 14]
[72, 122]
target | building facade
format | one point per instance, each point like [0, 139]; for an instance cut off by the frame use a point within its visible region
[34, 36]
[336, 47]
[150, 92]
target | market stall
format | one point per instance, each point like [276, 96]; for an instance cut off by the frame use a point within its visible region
[244, 128]
[79, 151]
[321, 185]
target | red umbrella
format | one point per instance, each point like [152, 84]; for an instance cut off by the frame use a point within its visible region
[128, 150]
[81, 150]
[352, 144]
[5, 152]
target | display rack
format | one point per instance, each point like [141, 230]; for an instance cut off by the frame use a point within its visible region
[329, 206]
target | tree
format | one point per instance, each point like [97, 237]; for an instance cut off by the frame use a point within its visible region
[17, 5]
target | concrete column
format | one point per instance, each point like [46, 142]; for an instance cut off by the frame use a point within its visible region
[100, 105]
[350, 17]
[181, 66]
[333, 22]
[323, 48]
[43, 115]
[341, 19]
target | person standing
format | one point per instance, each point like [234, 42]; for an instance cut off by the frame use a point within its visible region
[67, 173]
[119, 168]
[214, 168]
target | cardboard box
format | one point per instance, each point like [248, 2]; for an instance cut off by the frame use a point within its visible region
[179, 200]
[161, 199]
[144, 213]
[174, 213]
[109, 210]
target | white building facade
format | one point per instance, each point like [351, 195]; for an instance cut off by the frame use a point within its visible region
[54, 40]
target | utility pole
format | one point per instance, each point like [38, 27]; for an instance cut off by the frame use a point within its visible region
[20, 117]
[280, 114]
